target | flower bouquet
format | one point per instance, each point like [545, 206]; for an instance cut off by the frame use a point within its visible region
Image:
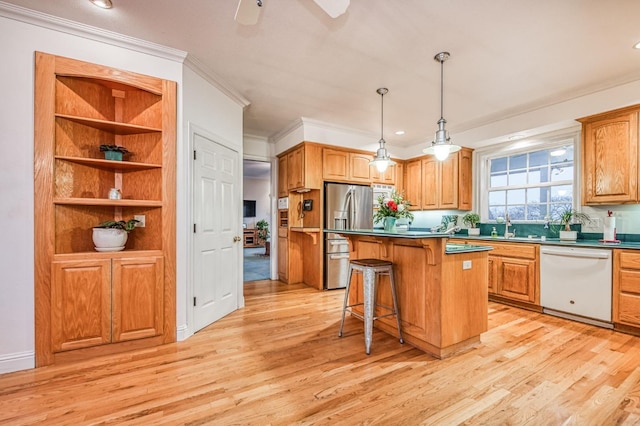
[390, 209]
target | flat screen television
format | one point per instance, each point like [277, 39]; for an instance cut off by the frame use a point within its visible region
[249, 208]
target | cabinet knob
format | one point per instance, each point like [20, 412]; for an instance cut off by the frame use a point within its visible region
[236, 239]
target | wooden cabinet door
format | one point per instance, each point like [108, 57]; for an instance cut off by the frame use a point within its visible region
[494, 262]
[295, 169]
[448, 183]
[283, 259]
[283, 178]
[335, 164]
[430, 184]
[413, 183]
[138, 298]
[626, 287]
[465, 179]
[516, 279]
[80, 304]
[610, 159]
[388, 177]
[359, 168]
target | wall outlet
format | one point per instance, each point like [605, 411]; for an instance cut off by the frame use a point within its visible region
[141, 220]
[466, 264]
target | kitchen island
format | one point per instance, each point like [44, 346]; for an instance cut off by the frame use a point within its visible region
[442, 288]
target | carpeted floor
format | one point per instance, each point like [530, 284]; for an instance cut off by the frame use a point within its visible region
[256, 264]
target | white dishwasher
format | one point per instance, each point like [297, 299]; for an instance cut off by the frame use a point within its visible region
[575, 283]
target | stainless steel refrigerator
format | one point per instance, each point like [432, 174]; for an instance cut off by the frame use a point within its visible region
[346, 206]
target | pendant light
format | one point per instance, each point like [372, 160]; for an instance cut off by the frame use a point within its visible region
[441, 145]
[382, 160]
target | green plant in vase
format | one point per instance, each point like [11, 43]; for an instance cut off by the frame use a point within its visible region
[113, 152]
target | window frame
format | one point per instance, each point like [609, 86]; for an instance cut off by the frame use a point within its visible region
[522, 146]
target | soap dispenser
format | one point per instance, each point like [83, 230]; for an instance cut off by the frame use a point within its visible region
[494, 233]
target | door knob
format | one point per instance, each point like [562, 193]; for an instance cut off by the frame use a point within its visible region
[236, 239]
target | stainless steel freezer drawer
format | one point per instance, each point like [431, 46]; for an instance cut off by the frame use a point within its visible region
[337, 269]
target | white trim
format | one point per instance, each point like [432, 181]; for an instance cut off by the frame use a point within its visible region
[67, 26]
[207, 74]
[544, 141]
[17, 361]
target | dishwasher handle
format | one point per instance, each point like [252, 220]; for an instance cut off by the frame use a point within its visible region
[587, 253]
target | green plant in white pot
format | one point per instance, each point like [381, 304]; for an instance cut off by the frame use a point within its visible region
[472, 220]
[567, 217]
[112, 235]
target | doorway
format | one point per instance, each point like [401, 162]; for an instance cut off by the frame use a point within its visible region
[256, 221]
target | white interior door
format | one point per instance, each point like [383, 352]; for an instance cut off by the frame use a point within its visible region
[217, 246]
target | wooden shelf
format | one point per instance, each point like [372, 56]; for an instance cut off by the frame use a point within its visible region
[106, 202]
[111, 254]
[109, 164]
[110, 126]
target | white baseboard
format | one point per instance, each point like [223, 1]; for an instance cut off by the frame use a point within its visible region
[183, 333]
[17, 361]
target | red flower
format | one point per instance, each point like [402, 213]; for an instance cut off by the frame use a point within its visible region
[392, 206]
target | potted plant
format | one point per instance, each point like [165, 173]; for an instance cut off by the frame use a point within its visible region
[263, 235]
[112, 235]
[568, 216]
[472, 219]
[113, 152]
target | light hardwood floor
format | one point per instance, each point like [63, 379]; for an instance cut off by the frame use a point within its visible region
[279, 361]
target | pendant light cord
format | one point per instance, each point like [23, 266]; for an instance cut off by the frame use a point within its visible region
[441, 89]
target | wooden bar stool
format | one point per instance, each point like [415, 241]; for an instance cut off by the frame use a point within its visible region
[370, 270]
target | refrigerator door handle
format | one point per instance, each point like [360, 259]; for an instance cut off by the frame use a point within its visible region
[338, 256]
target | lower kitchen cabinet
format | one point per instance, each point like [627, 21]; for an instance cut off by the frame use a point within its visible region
[626, 287]
[514, 272]
[100, 301]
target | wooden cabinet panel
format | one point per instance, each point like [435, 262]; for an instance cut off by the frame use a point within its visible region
[465, 179]
[413, 183]
[431, 185]
[80, 304]
[448, 183]
[283, 178]
[493, 274]
[626, 287]
[516, 279]
[359, 168]
[388, 177]
[283, 258]
[335, 164]
[610, 158]
[137, 298]
[295, 169]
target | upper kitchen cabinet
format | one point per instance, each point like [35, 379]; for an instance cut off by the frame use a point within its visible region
[610, 157]
[283, 178]
[437, 185]
[347, 166]
[85, 298]
[304, 167]
[389, 176]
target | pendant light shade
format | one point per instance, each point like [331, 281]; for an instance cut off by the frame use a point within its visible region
[382, 160]
[441, 145]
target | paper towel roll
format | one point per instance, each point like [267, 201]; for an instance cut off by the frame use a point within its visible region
[609, 228]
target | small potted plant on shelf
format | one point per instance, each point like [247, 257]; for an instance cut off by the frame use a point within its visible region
[113, 152]
[566, 217]
[472, 219]
[263, 235]
[112, 235]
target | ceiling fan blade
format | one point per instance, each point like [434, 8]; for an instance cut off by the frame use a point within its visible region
[334, 8]
[248, 12]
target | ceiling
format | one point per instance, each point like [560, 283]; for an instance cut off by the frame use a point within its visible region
[507, 56]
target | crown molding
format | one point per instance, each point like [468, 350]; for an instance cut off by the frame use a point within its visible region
[205, 72]
[293, 126]
[43, 20]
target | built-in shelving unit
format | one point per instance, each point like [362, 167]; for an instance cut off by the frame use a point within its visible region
[89, 302]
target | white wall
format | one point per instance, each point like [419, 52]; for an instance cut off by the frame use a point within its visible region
[208, 110]
[259, 190]
[18, 42]
[199, 101]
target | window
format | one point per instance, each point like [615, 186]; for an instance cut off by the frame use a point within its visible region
[531, 185]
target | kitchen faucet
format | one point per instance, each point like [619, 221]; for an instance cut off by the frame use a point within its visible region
[507, 223]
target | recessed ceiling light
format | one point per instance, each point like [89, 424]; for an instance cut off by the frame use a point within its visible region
[105, 4]
[516, 136]
[637, 45]
[400, 132]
